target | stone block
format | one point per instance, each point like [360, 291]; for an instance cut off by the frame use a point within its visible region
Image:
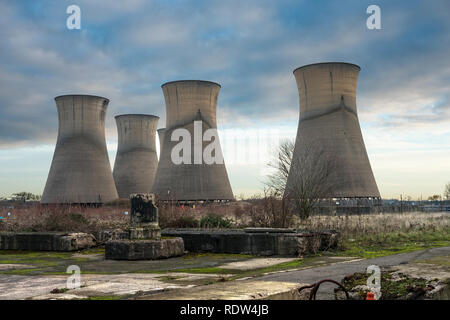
[144, 249]
[46, 241]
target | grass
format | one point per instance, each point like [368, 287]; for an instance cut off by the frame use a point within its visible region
[378, 245]
[195, 255]
[40, 262]
[98, 250]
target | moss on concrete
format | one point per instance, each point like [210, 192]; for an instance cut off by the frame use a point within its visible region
[98, 250]
[400, 286]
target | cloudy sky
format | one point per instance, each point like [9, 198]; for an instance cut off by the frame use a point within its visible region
[126, 49]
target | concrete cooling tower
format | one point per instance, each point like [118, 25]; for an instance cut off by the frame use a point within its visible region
[186, 102]
[80, 171]
[136, 159]
[329, 122]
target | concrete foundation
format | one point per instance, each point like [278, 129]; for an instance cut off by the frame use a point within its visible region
[144, 242]
[46, 241]
[262, 244]
[144, 249]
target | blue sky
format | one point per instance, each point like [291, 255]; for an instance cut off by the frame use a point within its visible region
[125, 50]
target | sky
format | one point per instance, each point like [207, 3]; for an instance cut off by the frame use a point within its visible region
[126, 49]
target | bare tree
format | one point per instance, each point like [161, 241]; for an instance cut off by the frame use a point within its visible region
[309, 179]
[447, 191]
[276, 182]
[301, 182]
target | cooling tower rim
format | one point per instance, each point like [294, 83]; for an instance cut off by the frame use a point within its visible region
[180, 81]
[136, 115]
[321, 63]
[81, 95]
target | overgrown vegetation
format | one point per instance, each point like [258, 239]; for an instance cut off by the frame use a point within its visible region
[300, 182]
[393, 285]
[37, 218]
[366, 236]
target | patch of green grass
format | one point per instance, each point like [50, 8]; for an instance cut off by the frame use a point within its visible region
[40, 259]
[379, 245]
[246, 273]
[207, 270]
[24, 272]
[35, 254]
[195, 255]
[98, 250]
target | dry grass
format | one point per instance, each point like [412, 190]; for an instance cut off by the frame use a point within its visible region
[62, 218]
[238, 214]
[382, 223]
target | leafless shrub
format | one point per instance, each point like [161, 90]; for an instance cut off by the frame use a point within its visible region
[299, 182]
[310, 177]
[447, 191]
[62, 218]
[350, 226]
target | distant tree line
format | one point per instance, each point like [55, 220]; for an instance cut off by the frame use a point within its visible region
[26, 196]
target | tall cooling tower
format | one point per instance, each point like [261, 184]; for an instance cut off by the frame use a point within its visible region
[80, 170]
[186, 102]
[329, 122]
[136, 159]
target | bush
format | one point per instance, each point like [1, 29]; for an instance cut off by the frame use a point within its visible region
[180, 222]
[214, 221]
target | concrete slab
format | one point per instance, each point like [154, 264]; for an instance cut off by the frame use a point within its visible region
[235, 290]
[255, 263]
[94, 285]
[15, 287]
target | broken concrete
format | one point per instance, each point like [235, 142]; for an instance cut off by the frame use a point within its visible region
[144, 249]
[240, 290]
[255, 263]
[258, 241]
[46, 241]
[144, 242]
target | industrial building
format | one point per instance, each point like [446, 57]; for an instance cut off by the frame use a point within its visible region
[188, 101]
[136, 158]
[80, 172]
[329, 122]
